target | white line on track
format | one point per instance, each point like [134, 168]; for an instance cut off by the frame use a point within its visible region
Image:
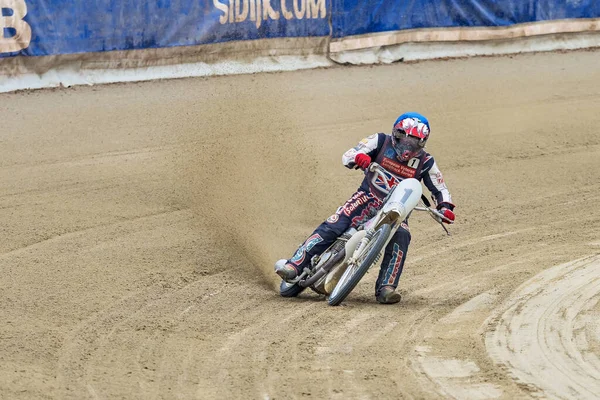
[540, 334]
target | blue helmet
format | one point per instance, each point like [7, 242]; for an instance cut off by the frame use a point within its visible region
[415, 115]
[409, 135]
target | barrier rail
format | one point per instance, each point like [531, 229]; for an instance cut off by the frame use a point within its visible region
[125, 33]
[372, 23]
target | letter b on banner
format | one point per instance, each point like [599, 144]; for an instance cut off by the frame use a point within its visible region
[15, 34]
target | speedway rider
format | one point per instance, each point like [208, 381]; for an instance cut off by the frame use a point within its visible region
[403, 155]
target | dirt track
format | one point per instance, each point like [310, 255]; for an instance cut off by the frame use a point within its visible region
[140, 223]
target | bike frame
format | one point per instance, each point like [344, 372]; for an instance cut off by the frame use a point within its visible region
[400, 201]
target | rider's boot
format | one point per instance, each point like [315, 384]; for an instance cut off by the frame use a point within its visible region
[388, 295]
[285, 270]
[391, 267]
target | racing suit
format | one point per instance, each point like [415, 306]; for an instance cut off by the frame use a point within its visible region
[367, 200]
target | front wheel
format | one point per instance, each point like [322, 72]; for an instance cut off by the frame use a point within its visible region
[358, 269]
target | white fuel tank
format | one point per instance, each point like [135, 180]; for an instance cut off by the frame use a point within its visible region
[404, 198]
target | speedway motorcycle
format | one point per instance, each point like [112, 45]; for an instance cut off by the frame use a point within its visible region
[337, 271]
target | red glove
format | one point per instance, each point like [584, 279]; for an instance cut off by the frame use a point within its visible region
[362, 160]
[448, 214]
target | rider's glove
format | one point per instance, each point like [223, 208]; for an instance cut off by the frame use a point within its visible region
[362, 160]
[446, 212]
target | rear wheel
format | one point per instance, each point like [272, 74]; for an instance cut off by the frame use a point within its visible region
[358, 269]
[287, 289]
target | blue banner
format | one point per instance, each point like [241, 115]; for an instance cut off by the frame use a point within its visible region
[355, 17]
[53, 27]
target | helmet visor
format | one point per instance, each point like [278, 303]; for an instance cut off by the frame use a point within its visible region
[406, 146]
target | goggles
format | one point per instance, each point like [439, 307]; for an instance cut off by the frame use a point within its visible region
[407, 146]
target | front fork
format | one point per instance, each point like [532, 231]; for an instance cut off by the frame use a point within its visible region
[390, 217]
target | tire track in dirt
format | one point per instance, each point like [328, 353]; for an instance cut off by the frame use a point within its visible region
[440, 358]
[74, 235]
[539, 333]
[184, 305]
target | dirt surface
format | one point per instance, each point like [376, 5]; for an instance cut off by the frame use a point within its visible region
[140, 223]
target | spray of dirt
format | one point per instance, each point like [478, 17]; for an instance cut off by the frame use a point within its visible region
[238, 182]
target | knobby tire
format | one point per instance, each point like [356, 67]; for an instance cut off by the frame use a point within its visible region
[347, 284]
[289, 290]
